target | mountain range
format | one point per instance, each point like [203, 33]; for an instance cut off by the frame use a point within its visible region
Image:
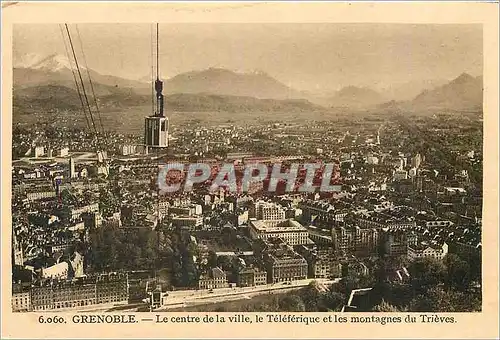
[404, 91]
[356, 97]
[56, 70]
[46, 83]
[225, 82]
[463, 93]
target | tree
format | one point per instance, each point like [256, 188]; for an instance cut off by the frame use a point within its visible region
[366, 281]
[150, 252]
[475, 267]
[457, 272]
[310, 296]
[384, 306]
[439, 300]
[224, 262]
[291, 303]
[212, 259]
[331, 301]
[177, 270]
[190, 277]
[426, 273]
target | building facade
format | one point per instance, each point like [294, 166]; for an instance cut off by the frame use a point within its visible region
[354, 240]
[21, 301]
[268, 211]
[61, 295]
[433, 251]
[216, 278]
[282, 263]
[249, 277]
[290, 267]
[396, 243]
[290, 231]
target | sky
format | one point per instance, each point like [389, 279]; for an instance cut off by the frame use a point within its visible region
[311, 57]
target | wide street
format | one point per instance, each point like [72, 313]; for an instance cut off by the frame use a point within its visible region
[184, 298]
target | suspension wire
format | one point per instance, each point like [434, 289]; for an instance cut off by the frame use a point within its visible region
[152, 71]
[157, 52]
[90, 79]
[97, 142]
[74, 78]
[82, 83]
[157, 151]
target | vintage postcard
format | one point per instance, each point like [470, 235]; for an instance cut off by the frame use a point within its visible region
[249, 170]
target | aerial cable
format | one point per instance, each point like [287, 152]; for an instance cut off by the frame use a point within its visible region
[157, 151]
[152, 72]
[81, 79]
[74, 78]
[96, 136]
[157, 52]
[90, 78]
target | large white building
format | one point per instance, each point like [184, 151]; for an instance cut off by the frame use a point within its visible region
[268, 211]
[434, 251]
[290, 231]
[36, 194]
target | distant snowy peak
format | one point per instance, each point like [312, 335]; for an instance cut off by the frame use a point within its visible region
[54, 63]
[51, 63]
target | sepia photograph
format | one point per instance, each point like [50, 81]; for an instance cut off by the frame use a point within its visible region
[218, 167]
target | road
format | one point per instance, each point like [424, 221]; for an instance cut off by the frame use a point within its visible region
[184, 298]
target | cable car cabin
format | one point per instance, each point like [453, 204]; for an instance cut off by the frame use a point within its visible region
[156, 131]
